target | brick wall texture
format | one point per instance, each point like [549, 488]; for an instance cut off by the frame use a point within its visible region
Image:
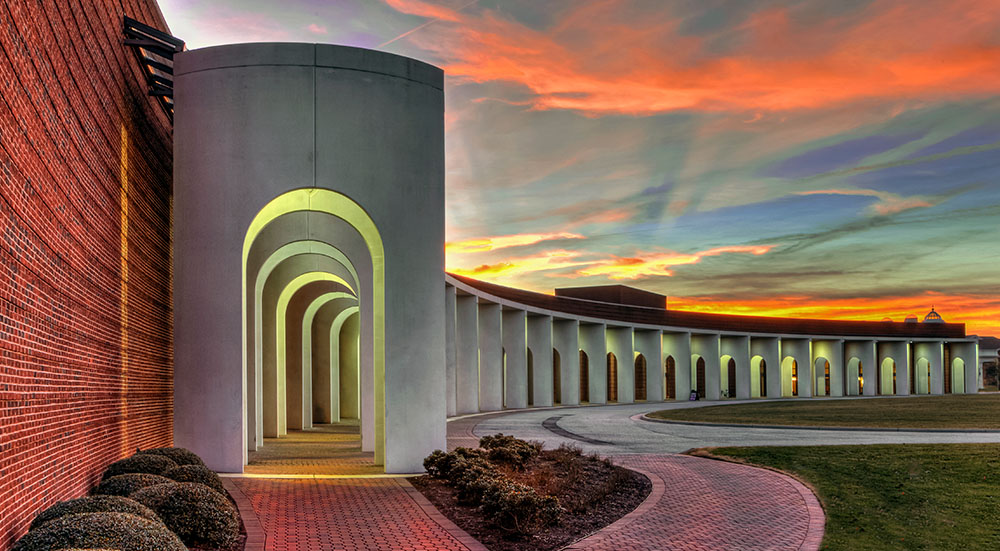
[85, 306]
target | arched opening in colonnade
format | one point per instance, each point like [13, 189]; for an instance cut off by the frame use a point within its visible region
[727, 376]
[698, 375]
[958, 375]
[670, 374]
[822, 376]
[612, 380]
[887, 378]
[789, 377]
[556, 378]
[758, 377]
[922, 376]
[855, 373]
[313, 320]
[640, 377]
[584, 377]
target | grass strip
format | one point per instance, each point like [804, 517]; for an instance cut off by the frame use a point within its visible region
[923, 496]
[933, 412]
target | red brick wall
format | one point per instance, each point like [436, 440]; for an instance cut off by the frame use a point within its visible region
[85, 360]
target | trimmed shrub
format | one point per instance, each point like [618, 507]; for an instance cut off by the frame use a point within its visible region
[518, 507]
[140, 463]
[181, 456]
[197, 473]
[440, 464]
[120, 531]
[200, 516]
[509, 450]
[94, 504]
[124, 484]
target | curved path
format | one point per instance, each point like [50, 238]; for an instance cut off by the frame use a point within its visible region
[696, 503]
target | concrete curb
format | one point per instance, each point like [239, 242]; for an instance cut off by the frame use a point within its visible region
[644, 417]
[256, 537]
[463, 537]
[655, 494]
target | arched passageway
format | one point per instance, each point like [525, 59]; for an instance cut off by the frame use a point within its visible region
[670, 374]
[822, 371]
[584, 377]
[729, 377]
[612, 380]
[640, 377]
[922, 370]
[958, 375]
[698, 375]
[556, 378]
[758, 377]
[887, 378]
[789, 377]
[854, 382]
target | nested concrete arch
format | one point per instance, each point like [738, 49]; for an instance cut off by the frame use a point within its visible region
[737, 348]
[929, 374]
[789, 377]
[310, 373]
[345, 336]
[650, 345]
[893, 368]
[821, 369]
[829, 379]
[865, 380]
[267, 316]
[855, 373]
[324, 357]
[678, 347]
[799, 383]
[565, 342]
[620, 342]
[968, 353]
[768, 350]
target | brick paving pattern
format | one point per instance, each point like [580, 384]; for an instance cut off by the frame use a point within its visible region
[342, 514]
[322, 450]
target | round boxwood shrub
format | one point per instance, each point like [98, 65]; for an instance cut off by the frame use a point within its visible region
[140, 463]
[181, 456]
[94, 504]
[200, 516]
[196, 473]
[125, 484]
[120, 531]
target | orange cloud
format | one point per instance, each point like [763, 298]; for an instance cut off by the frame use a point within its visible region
[660, 264]
[889, 203]
[484, 244]
[545, 261]
[599, 58]
[980, 314]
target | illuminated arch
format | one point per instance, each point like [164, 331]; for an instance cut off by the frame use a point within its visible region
[958, 376]
[855, 377]
[922, 373]
[789, 377]
[822, 376]
[727, 376]
[308, 319]
[758, 377]
[887, 377]
[338, 205]
[640, 377]
[698, 382]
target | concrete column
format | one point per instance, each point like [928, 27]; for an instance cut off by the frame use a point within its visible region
[798, 350]
[933, 352]
[739, 348]
[707, 346]
[514, 343]
[593, 343]
[620, 344]
[767, 349]
[466, 355]
[565, 339]
[678, 345]
[833, 352]
[649, 343]
[540, 343]
[490, 358]
[450, 354]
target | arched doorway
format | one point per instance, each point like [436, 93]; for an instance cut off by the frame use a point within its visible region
[958, 375]
[887, 378]
[923, 376]
[855, 380]
[789, 377]
[531, 378]
[584, 378]
[556, 378]
[670, 373]
[640, 377]
[612, 377]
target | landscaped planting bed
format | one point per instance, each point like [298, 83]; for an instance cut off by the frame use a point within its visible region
[512, 495]
[164, 499]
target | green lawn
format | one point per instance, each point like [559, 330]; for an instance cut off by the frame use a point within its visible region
[954, 411]
[927, 496]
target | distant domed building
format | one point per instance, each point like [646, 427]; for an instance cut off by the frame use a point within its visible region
[933, 317]
[912, 318]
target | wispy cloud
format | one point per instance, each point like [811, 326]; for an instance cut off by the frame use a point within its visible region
[485, 244]
[317, 29]
[888, 203]
[660, 263]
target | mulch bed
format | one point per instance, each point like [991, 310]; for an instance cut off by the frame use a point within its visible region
[593, 492]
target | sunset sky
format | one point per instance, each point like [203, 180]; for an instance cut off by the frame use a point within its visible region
[806, 159]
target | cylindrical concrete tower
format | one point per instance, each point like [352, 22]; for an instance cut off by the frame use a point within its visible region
[296, 164]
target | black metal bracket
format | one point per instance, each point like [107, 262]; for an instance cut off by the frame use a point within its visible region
[155, 51]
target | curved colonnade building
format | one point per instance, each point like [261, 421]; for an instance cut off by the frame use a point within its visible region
[308, 254]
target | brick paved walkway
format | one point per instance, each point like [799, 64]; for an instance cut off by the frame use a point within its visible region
[324, 449]
[348, 514]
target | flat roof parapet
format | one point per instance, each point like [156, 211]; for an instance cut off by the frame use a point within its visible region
[615, 294]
